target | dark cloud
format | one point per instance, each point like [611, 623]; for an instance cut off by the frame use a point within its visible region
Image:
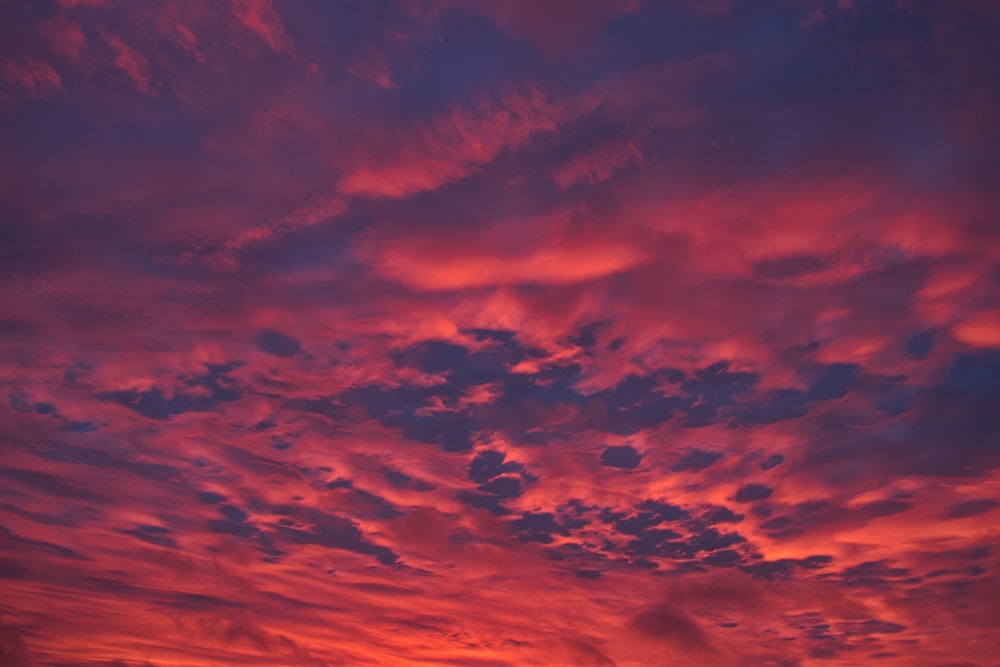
[505, 487]
[488, 464]
[779, 405]
[969, 508]
[536, 527]
[786, 567]
[772, 461]
[276, 343]
[919, 345]
[791, 266]
[196, 393]
[833, 382]
[211, 497]
[621, 456]
[752, 492]
[872, 627]
[696, 460]
[157, 535]
[721, 515]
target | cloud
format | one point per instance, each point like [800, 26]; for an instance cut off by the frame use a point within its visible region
[602, 333]
[671, 625]
[260, 17]
[130, 62]
[34, 76]
[277, 344]
[696, 460]
[450, 147]
[621, 456]
[749, 493]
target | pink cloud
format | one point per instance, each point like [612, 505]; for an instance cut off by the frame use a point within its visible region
[130, 62]
[34, 76]
[450, 147]
[65, 36]
[260, 17]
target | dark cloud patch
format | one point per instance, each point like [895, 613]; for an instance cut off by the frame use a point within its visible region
[791, 266]
[772, 461]
[696, 460]
[875, 574]
[503, 336]
[871, 627]
[233, 522]
[718, 385]
[711, 539]
[462, 366]
[749, 493]
[335, 532]
[724, 558]
[625, 457]
[587, 336]
[216, 380]
[898, 402]
[157, 535]
[777, 524]
[367, 505]
[663, 511]
[589, 574]
[401, 480]
[833, 382]
[786, 567]
[974, 374]
[637, 524]
[213, 387]
[779, 405]
[154, 404]
[263, 425]
[403, 407]
[397, 478]
[488, 464]
[234, 513]
[637, 403]
[487, 501]
[537, 527]
[505, 487]
[720, 514]
[325, 406]
[211, 497]
[919, 346]
[79, 427]
[453, 432]
[954, 425]
[277, 344]
[969, 508]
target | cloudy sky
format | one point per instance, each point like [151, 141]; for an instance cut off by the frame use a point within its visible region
[499, 333]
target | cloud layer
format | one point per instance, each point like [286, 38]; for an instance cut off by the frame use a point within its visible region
[433, 333]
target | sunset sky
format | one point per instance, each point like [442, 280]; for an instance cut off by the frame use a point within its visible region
[499, 333]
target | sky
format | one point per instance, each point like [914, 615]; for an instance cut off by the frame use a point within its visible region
[619, 333]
